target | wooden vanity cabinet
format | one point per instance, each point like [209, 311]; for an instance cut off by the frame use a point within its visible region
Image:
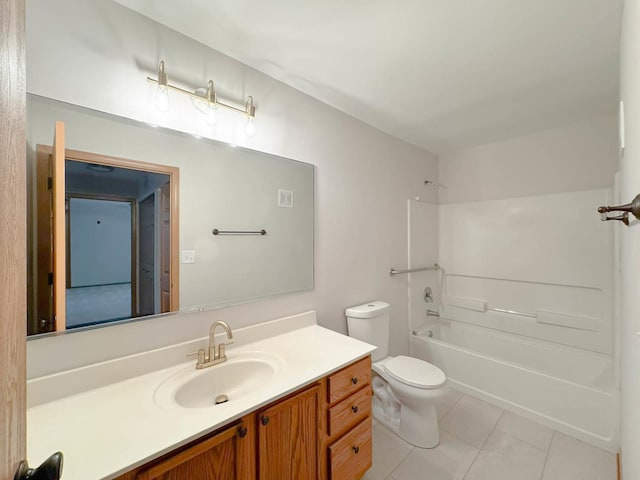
[321, 432]
[288, 438]
[226, 455]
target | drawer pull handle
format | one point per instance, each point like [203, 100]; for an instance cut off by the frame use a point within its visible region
[264, 420]
[356, 449]
[354, 409]
[242, 432]
[354, 380]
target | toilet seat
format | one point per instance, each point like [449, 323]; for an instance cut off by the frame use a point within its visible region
[414, 372]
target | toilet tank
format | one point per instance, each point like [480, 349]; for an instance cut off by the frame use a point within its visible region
[369, 322]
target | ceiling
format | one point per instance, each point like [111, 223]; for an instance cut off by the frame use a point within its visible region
[138, 180]
[441, 74]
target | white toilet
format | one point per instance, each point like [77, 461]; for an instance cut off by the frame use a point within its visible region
[406, 388]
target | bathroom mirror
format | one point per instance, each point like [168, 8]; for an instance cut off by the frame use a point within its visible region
[219, 187]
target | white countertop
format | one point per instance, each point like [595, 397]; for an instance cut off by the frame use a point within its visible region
[109, 430]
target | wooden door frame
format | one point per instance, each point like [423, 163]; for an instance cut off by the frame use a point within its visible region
[43, 254]
[50, 211]
[134, 239]
[152, 195]
[13, 238]
[174, 179]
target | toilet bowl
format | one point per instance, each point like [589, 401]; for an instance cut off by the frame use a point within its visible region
[406, 388]
[415, 385]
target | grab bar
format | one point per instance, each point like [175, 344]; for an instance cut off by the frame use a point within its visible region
[215, 231]
[393, 271]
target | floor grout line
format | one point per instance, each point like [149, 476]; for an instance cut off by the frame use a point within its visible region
[483, 443]
[527, 441]
[403, 459]
[510, 438]
[453, 405]
[411, 449]
[544, 467]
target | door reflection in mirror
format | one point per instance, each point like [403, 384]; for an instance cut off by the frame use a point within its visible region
[117, 241]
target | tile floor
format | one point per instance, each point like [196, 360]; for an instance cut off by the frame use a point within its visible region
[479, 441]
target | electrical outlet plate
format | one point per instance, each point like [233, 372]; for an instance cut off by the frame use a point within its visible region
[188, 256]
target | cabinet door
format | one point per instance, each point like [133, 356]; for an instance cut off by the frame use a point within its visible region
[288, 438]
[221, 457]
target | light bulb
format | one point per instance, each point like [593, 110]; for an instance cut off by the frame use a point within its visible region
[211, 115]
[162, 98]
[250, 128]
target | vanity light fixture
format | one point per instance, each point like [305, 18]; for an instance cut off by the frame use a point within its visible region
[250, 128]
[212, 104]
[162, 94]
[205, 100]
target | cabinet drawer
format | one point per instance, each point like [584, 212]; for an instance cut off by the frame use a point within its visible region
[350, 411]
[349, 380]
[351, 456]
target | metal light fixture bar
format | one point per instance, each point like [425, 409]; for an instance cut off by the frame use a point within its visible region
[210, 97]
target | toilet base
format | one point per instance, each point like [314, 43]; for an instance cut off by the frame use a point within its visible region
[420, 428]
[417, 433]
[407, 410]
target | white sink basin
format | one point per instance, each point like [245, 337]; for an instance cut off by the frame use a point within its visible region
[242, 374]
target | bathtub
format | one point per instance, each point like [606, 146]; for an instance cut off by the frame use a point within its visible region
[568, 389]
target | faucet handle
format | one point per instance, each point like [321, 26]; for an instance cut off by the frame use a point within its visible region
[221, 353]
[200, 354]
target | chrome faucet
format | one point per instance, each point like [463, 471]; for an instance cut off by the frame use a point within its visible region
[213, 355]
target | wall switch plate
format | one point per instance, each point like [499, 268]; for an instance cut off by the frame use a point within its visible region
[285, 198]
[188, 256]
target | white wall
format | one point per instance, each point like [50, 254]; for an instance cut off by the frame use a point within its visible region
[579, 156]
[99, 55]
[519, 230]
[548, 256]
[630, 247]
[100, 241]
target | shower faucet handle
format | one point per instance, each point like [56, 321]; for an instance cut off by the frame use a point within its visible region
[428, 295]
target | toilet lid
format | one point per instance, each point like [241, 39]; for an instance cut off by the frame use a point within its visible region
[415, 372]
